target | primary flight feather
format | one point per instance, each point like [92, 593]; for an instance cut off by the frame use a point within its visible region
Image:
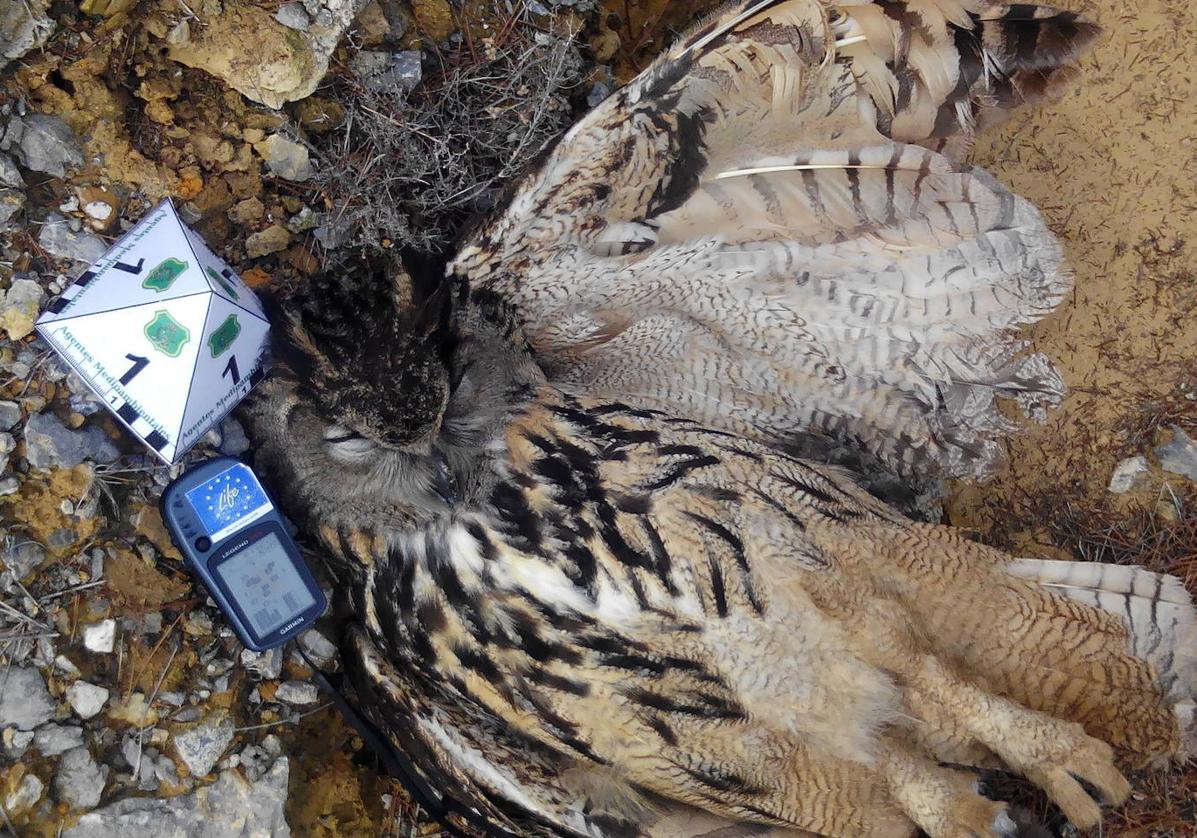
[594, 594]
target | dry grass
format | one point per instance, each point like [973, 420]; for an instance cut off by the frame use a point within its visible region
[406, 169]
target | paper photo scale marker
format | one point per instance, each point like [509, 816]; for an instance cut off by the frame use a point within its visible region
[82, 281]
[128, 415]
[136, 422]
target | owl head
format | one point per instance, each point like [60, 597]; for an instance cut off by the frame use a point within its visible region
[376, 415]
[375, 372]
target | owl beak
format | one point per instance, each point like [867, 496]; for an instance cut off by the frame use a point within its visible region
[443, 481]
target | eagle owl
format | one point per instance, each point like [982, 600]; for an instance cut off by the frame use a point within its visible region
[595, 592]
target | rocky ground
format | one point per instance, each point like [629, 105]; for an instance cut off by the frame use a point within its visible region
[297, 135]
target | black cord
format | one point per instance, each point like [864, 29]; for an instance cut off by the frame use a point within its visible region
[395, 763]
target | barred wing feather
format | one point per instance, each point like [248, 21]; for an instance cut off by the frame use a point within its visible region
[767, 231]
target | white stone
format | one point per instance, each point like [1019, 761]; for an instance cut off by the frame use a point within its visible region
[25, 702]
[1129, 474]
[99, 210]
[293, 16]
[25, 796]
[52, 740]
[100, 637]
[318, 647]
[202, 746]
[297, 692]
[1179, 456]
[79, 782]
[86, 699]
[285, 157]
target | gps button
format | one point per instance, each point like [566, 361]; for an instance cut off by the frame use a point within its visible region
[203, 543]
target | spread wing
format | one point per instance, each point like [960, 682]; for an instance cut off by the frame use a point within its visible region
[757, 233]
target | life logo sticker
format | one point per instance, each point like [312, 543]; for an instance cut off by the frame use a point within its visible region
[164, 275]
[229, 500]
[166, 334]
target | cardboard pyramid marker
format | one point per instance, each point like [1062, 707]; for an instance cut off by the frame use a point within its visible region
[163, 331]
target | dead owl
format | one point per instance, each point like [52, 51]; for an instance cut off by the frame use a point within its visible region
[594, 595]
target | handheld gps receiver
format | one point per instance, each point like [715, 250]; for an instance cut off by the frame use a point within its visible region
[234, 539]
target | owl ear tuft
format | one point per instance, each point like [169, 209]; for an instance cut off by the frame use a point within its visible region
[365, 364]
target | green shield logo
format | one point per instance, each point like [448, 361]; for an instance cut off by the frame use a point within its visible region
[222, 336]
[164, 275]
[223, 283]
[166, 334]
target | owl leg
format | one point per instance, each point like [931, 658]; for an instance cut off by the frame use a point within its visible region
[1054, 754]
[944, 802]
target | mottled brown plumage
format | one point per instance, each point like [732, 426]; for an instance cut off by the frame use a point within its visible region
[594, 596]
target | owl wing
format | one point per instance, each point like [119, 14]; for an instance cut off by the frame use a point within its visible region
[648, 623]
[756, 232]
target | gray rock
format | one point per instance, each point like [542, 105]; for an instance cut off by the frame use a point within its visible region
[53, 740]
[60, 240]
[384, 71]
[23, 26]
[1129, 474]
[86, 699]
[25, 796]
[19, 307]
[406, 68]
[10, 414]
[11, 202]
[16, 742]
[285, 158]
[64, 665]
[23, 558]
[142, 759]
[202, 746]
[7, 446]
[293, 16]
[233, 441]
[1180, 455]
[303, 221]
[333, 234]
[50, 444]
[9, 174]
[61, 538]
[232, 807]
[597, 94]
[9, 485]
[49, 145]
[25, 702]
[297, 692]
[368, 64]
[79, 782]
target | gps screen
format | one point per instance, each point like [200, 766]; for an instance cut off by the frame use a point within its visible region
[264, 582]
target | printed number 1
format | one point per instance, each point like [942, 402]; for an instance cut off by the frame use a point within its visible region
[231, 369]
[139, 363]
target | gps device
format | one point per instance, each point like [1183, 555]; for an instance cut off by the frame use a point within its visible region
[233, 537]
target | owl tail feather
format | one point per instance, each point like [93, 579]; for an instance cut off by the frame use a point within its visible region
[1157, 612]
